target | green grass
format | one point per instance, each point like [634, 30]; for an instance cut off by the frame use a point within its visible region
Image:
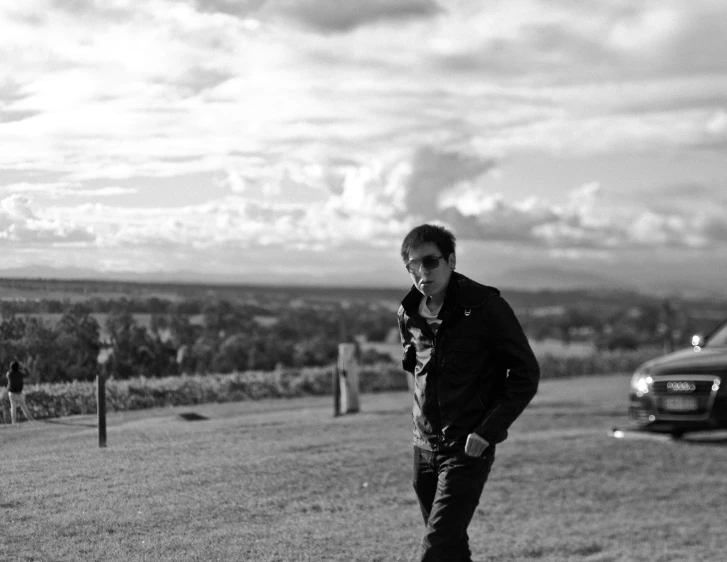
[282, 480]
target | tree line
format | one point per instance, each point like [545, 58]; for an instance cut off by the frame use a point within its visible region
[210, 334]
[225, 337]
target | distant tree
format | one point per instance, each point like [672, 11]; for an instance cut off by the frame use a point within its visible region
[319, 350]
[12, 332]
[52, 306]
[156, 305]
[371, 356]
[234, 354]
[181, 329]
[573, 319]
[78, 343]
[12, 328]
[200, 355]
[222, 319]
[132, 347]
[40, 352]
[30, 342]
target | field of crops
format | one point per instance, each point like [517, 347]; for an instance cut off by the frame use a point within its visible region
[283, 480]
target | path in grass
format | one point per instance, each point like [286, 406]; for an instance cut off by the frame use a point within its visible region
[282, 480]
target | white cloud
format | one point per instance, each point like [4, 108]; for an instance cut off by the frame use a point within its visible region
[332, 16]
[235, 181]
[17, 206]
[579, 224]
[583, 203]
[471, 201]
[59, 190]
[717, 124]
[646, 30]
[434, 172]
[21, 226]
[176, 82]
[340, 124]
[651, 229]
[110, 191]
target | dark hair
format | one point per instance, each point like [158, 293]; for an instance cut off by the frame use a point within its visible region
[14, 366]
[426, 233]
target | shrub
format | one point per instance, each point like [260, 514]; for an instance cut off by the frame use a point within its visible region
[74, 398]
[553, 367]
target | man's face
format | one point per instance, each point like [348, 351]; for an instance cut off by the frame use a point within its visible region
[429, 269]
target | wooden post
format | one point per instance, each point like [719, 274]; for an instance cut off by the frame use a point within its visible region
[348, 369]
[668, 315]
[336, 393]
[101, 408]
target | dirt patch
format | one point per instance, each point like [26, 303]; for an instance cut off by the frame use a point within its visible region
[192, 416]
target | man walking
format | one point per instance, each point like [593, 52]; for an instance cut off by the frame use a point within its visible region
[474, 374]
[15, 392]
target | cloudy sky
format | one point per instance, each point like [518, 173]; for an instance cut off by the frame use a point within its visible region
[297, 141]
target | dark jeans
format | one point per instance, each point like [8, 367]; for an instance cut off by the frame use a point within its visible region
[449, 486]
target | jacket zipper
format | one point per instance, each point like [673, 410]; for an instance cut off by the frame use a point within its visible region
[435, 365]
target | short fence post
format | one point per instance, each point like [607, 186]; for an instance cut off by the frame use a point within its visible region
[336, 392]
[348, 371]
[101, 408]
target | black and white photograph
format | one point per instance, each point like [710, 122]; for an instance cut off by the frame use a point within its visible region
[363, 280]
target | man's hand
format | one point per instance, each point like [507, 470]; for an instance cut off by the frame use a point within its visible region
[475, 445]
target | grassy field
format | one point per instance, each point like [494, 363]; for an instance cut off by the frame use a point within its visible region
[282, 480]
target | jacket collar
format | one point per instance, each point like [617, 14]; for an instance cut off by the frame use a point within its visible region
[461, 292]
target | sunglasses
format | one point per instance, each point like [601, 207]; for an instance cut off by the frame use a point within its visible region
[429, 263]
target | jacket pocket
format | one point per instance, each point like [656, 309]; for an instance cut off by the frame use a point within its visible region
[465, 345]
[464, 359]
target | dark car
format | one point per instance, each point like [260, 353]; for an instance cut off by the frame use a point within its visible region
[685, 390]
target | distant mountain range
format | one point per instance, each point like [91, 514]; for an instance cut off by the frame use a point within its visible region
[567, 279]
[78, 273]
[537, 278]
[521, 279]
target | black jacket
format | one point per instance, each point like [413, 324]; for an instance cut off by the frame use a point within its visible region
[15, 381]
[481, 373]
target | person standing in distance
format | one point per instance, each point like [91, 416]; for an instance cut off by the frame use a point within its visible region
[15, 392]
[474, 374]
